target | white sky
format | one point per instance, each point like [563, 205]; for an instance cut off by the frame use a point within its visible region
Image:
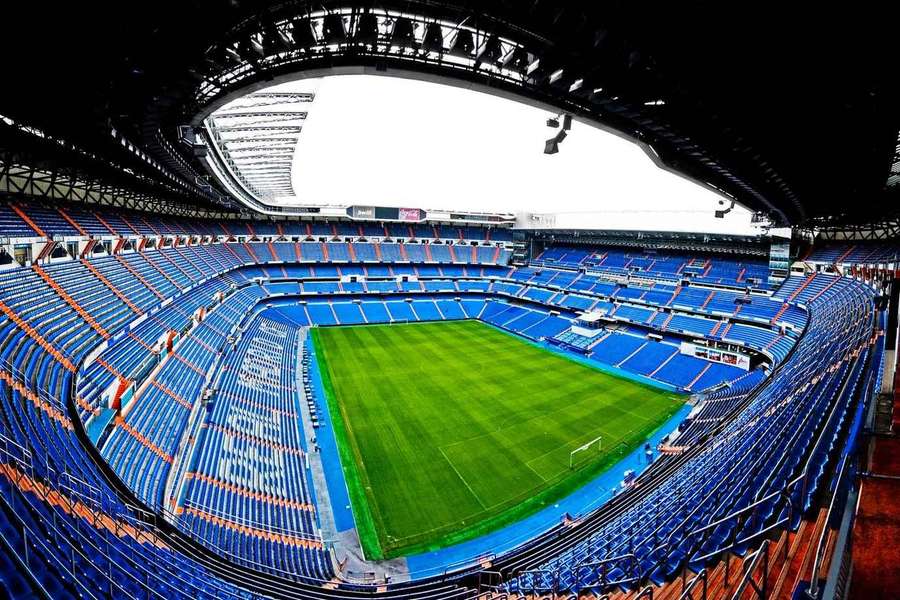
[394, 142]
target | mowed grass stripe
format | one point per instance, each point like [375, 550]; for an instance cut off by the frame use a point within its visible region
[448, 430]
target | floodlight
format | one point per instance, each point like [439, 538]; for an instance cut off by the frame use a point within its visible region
[403, 33]
[551, 146]
[463, 45]
[434, 38]
[517, 60]
[333, 30]
[250, 50]
[492, 51]
[367, 28]
[301, 30]
[274, 41]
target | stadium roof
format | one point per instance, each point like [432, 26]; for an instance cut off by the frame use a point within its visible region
[792, 112]
[255, 138]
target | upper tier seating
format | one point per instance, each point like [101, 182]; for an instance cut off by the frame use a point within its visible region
[856, 253]
[76, 220]
[664, 266]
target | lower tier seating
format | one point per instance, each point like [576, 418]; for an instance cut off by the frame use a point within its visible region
[52, 489]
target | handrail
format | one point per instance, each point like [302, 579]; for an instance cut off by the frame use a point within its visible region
[239, 558]
[709, 526]
[647, 592]
[821, 545]
[103, 507]
[146, 531]
[750, 565]
[92, 504]
[534, 574]
[698, 579]
[87, 542]
[801, 478]
[629, 559]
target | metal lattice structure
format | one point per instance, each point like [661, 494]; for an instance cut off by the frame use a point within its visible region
[624, 95]
[800, 129]
[254, 139]
[35, 163]
[894, 175]
[888, 229]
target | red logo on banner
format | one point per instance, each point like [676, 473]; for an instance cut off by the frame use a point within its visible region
[409, 214]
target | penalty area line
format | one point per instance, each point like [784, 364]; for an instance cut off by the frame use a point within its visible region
[461, 478]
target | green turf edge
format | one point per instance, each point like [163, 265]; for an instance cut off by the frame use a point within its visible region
[350, 461]
[362, 502]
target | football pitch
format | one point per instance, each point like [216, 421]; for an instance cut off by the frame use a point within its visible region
[449, 430]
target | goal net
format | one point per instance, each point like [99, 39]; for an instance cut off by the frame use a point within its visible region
[585, 452]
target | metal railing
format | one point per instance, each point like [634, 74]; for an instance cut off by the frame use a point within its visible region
[750, 567]
[843, 483]
[697, 588]
[599, 571]
[99, 510]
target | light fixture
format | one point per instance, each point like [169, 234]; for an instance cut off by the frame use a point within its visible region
[463, 44]
[551, 146]
[517, 60]
[367, 28]
[492, 51]
[333, 30]
[403, 33]
[720, 214]
[274, 41]
[301, 30]
[250, 50]
[434, 38]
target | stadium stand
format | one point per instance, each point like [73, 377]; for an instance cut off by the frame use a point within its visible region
[663, 267]
[36, 219]
[855, 254]
[253, 418]
[140, 396]
[772, 469]
[165, 429]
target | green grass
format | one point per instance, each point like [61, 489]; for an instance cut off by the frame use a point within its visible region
[449, 430]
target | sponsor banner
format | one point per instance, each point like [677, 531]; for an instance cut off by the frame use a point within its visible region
[410, 214]
[363, 212]
[734, 359]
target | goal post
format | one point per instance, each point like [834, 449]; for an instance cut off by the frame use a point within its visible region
[595, 444]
